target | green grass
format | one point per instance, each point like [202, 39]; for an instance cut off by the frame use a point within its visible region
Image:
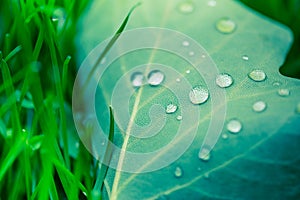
[37, 73]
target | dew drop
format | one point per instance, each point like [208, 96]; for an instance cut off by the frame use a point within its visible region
[204, 154]
[137, 79]
[191, 53]
[171, 108]
[188, 71]
[224, 80]
[206, 175]
[186, 7]
[225, 136]
[225, 25]
[179, 117]
[178, 80]
[257, 75]
[283, 92]
[203, 56]
[178, 172]
[276, 84]
[234, 126]
[77, 144]
[259, 106]
[59, 16]
[185, 43]
[198, 95]
[155, 77]
[245, 57]
[212, 3]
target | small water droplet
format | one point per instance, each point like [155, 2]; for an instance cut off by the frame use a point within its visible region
[204, 154]
[188, 71]
[59, 16]
[276, 84]
[259, 106]
[178, 172]
[155, 77]
[199, 168]
[171, 108]
[225, 25]
[225, 136]
[103, 61]
[191, 53]
[212, 3]
[179, 117]
[203, 56]
[224, 80]
[283, 92]
[178, 80]
[186, 7]
[206, 175]
[245, 57]
[298, 108]
[24, 130]
[257, 75]
[185, 43]
[137, 79]
[198, 95]
[77, 144]
[234, 126]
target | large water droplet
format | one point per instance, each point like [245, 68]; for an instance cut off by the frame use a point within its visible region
[283, 92]
[257, 75]
[225, 25]
[178, 172]
[234, 126]
[155, 77]
[198, 95]
[259, 106]
[204, 154]
[137, 79]
[186, 7]
[224, 80]
[171, 108]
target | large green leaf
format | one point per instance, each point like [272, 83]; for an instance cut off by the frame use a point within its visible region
[261, 161]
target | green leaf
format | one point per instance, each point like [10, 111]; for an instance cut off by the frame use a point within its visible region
[259, 162]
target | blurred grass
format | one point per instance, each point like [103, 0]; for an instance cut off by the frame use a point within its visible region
[286, 12]
[37, 72]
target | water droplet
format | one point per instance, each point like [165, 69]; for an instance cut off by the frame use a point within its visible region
[186, 7]
[199, 168]
[259, 106]
[77, 144]
[224, 80]
[179, 117]
[198, 95]
[188, 71]
[178, 172]
[298, 108]
[171, 108]
[204, 154]
[276, 84]
[185, 43]
[225, 136]
[59, 16]
[245, 57]
[212, 3]
[234, 126]
[191, 53]
[203, 56]
[137, 79]
[257, 75]
[155, 77]
[225, 25]
[283, 92]
[206, 175]
[103, 61]
[23, 130]
[178, 80]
